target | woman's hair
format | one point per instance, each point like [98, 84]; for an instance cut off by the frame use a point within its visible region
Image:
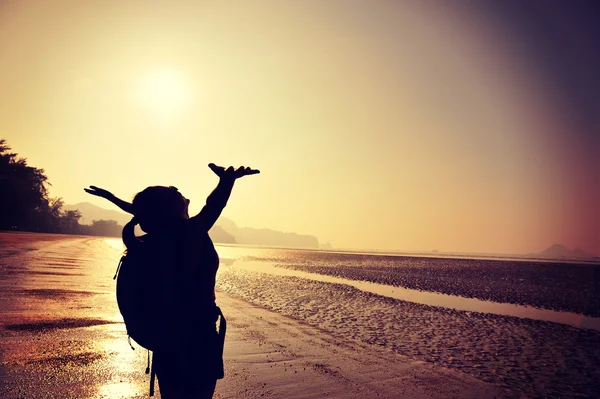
[158, 207]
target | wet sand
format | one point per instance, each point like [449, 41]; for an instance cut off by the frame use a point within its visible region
[522, 357]
[570, 287]
[61, 336]
[429, 298]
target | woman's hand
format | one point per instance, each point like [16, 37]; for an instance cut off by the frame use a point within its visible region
[99, 192]
[232, 173]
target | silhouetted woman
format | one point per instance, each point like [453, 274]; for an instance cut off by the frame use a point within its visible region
[193, 362]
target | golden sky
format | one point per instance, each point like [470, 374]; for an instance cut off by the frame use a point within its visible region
[376, 125]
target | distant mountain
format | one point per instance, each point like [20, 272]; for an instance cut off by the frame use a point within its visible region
[251, 236]
[91, 212]
[217, 234]
[559, 251]
[225, 231]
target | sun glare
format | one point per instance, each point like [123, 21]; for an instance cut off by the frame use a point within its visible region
[164, 92]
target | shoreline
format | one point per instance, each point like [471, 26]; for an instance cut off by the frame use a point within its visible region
[61, 332]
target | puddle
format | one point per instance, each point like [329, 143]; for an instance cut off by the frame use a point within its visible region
[432, 298]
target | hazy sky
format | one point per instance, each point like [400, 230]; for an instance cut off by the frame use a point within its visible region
[467, 126]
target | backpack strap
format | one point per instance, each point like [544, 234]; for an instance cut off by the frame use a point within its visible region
[222, 329]
[119, 267]
[221, 341]
[152, 374]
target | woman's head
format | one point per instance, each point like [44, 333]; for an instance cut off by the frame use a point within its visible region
[159, 207]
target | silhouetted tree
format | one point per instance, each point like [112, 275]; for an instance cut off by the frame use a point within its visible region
[24, 202]
[108, 228]
[69, 222]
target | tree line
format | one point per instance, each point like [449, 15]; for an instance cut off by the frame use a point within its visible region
[25, 204]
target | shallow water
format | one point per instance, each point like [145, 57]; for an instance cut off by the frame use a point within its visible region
[433, 298]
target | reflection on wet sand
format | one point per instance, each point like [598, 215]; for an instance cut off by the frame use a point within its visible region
[62, 334]
[118, 390]
[115, 243]
[121, 360]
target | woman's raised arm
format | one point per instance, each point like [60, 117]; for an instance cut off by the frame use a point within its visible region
[217, 200]
[102, 193]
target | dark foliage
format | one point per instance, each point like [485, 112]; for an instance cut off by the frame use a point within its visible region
[25, 204]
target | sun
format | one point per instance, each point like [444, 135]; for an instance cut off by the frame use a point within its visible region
[164, 92]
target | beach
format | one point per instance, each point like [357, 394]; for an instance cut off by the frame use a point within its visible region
[289, 335]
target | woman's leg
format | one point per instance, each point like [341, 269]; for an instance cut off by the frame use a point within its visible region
[171, 390]
[206, 391]
[181, 381]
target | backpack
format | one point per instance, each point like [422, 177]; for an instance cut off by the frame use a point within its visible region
[136, 283]
[141, 294]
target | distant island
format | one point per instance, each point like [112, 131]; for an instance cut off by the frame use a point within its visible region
[559, 251]
[252, 236]
[225, 231]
